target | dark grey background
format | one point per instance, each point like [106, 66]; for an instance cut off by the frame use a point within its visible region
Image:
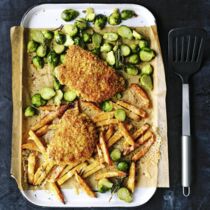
[169, 14]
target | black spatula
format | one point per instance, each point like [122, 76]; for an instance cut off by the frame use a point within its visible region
[185, 53]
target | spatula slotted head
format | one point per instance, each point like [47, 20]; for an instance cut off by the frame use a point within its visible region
[185, 50]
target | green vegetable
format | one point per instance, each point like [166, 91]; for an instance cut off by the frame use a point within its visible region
[59, 37]
[70, 95]
[97, 40]
[69, 41]
[47, 34]
[37, 36]
[118, 57]
[146, 54]
[125, 50]
[69, 14]
[134, 48]
[53, 59]
[79, 41]
[110, 36]
[71, 30]
[132, 70]
[110, 58]
[96, 51]
[127, 14]
[123, 166]
[100, 21]
[81, 23]
[86, 37]
[29, 111]
[56, 84]
[58, 97]
[115, 154]
[104, 185]
[118, 95]
[37, 100]
[38, 62]
[62, 58]
[32, 46]
[106, 106]
[114, 18]
[146, 81]
[47, 93]
[133, 59]
[124, 194]
[143, 44]
[137, 35]
[125, 32]
[120, 114]
[41, 50]
[90, 14]
[106, 47]
[58, 48]
[147, 69]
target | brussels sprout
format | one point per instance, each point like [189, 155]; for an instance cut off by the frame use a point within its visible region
[143, 44]
[29, 111]
[97, 40]
[32, 46]
[115, 154]
[59, 37]
[53, 59]
[81, 23]
[146, 81]
[47, 34]
[37, 100]
[62, 58]
[125, 50]
[110, 36]
[37, 36]
[133, 59]
[96, 51]
[38, 62]
[70, 95]
[106, 47]
[71, 30]
[134, 48]
[107, 106]
[58, 97]
[114, 18]
[56, 84]
[86, 37]
[100, 21]
[125, 32]
[47, 93]
[147, 69]
[41, 50]
[69, 41]
[137, 35]
[104, 185]
[132, 70]
[69, 14]
[123, 166]
[124, 194]
[146, 54]
[120, 114]
[79, 41]
[90, 14]
[127, 14]
[110, 58]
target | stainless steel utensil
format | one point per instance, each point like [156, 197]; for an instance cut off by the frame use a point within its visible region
[185, 53]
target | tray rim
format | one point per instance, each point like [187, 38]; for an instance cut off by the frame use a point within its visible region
[153, 189]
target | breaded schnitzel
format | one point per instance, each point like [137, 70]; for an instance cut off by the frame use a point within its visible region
[74, 140]
[91, 77]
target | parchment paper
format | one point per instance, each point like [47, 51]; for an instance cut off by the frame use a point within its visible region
[153, 168]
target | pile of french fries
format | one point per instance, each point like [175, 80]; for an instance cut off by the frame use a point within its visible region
[136, 143]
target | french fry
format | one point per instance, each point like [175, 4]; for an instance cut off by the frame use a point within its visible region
[104, 149]
[55, 173]
[67, 168]
[30, 145]
[50, 117]
[126, 134]
[103, 116]
[42, 131]
[31, 167]
[100, 155]
[107, 122]
[131, 177]
[145, 148]
[39, 171]
[117, 136]
[84, 185]
[94, 170]
[37, 141]
[109, 133]
[70, 173]
[90, 167]
[141, 93]
[90, 105]
[140, 131]
[132, 108]
[49, 108]
[44, 174]
[109, 174]
[55, 189]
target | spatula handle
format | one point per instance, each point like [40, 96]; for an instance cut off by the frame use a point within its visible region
[186, 141]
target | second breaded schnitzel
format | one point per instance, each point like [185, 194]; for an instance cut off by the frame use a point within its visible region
[91, 77]
[75, 139]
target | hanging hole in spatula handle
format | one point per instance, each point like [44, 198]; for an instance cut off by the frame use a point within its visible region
[186, 191]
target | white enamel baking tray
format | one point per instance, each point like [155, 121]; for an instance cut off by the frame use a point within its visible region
[48, 16]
